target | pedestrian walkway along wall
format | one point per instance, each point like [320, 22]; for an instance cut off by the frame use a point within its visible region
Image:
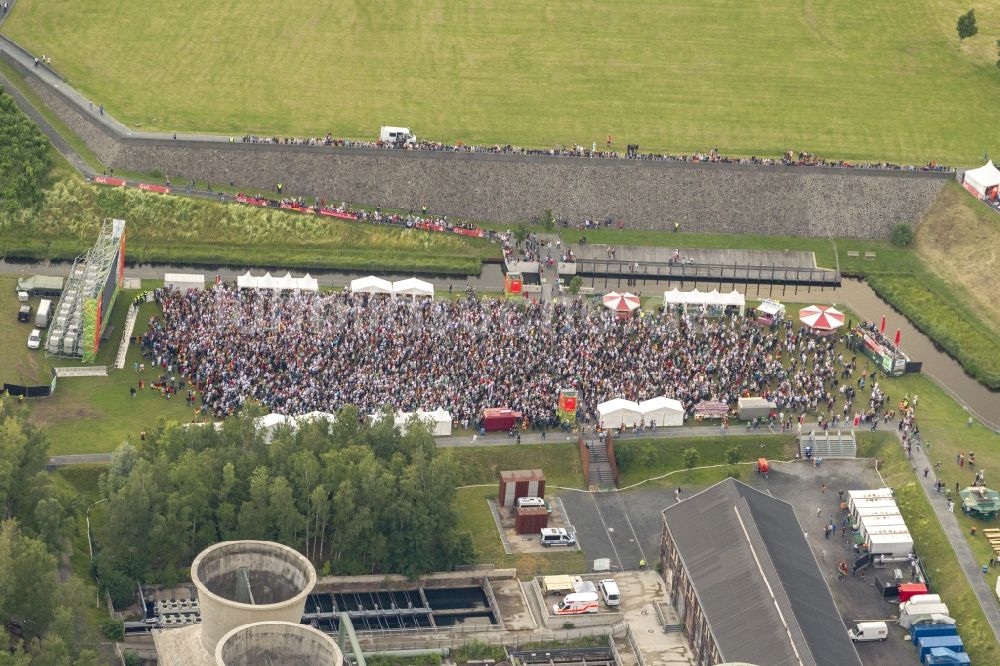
[720, 198]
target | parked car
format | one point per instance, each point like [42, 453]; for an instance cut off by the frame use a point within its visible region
[24, 312]
[556, 536]
[35, 339]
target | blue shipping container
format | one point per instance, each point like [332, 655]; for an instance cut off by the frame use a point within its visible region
[918, 631]
[945, 657]
[951, 642]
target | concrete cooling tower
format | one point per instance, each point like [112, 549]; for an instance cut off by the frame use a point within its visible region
[277, 644]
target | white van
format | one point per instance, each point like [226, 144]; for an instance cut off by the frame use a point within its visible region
[577, 603]
[43, 312]
[396, 135]
[920, 600]
[556, 536]
[530, 501]
[869, 631]
[609, 590]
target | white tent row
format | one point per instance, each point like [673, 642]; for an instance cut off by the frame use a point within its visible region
[664, 411]
[376, 285]
[712, 298]
[269, 422]
[286, 283]
[439, 420]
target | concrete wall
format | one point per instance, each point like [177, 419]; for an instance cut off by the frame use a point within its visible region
[644, 195]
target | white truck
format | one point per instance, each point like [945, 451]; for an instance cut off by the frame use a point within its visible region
[869, 631]
[398, 136]
[43, 312]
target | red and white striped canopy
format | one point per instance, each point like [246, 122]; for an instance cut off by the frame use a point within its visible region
[821, 317]
[621, 302]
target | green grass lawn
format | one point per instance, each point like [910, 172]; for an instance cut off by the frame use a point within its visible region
[559, 460]
[641, 459]
[856, 80]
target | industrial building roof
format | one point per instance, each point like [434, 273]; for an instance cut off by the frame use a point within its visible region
[756, 579]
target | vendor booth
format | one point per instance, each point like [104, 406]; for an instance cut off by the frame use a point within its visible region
[980, 502]
[770, 312]
[886, 354]
[710, 409]
[623, 305]
[755, 408]
[663, 411]
[618, 412]
[371, 285]
[499, 419]
[983, 182]
[821, 319]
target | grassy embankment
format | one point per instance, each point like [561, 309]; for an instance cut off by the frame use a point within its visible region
[724, 91]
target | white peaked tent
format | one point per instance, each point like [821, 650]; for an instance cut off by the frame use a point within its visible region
[246, 281]
[267, 282]
[412, 287]
[711, 299]
[308, 283]
[287, 283]
[269, 422]
[615, 412]
[371, 285]
[316, 416]
[438, 420]
[664, 411]
[980, 181]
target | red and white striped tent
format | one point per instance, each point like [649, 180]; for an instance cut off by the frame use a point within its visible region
[821, 317]
[623, 304]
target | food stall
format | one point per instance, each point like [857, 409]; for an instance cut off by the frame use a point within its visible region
[770, 312]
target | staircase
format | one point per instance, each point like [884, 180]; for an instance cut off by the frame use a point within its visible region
[133, 312]
[600, 466]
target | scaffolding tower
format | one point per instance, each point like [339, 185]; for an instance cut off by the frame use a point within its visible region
[87, 281]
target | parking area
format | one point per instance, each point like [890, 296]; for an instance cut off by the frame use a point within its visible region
[626, 528]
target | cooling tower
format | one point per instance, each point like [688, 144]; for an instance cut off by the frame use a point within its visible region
[277, 644]
[249, 582]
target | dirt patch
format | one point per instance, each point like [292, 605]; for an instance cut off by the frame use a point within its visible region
[959, 239]
[47, 414]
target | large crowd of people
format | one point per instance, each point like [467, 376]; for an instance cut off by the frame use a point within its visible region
[302, 352]
[790, 158]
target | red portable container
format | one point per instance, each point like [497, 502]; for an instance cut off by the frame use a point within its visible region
[907, 590]
[520, 483]
[498, 419]
[531, 519]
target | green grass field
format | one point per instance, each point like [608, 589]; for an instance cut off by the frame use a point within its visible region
[855, 80]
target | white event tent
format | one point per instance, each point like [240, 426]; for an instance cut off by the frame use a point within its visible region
[412, 287]
[184, 281]
[712, 299]
[439, 420]
[371, 285]
[619, 411]
[983, 182]
[286, 283]
[664, 411]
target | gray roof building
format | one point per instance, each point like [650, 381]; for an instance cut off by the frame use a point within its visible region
[745, 583]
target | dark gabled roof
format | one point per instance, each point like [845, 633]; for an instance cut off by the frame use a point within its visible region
[756, 579]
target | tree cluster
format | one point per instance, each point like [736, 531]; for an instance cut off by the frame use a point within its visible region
[355, 498]
[24, 158]
[45, 620]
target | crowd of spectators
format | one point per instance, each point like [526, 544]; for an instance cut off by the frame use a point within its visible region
[632, 152]
[303, 352]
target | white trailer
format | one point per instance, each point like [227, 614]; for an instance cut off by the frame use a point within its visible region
[890, 545]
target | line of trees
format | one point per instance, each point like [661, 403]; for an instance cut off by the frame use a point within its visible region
[354, 498]
[24, 158]
[45, 620]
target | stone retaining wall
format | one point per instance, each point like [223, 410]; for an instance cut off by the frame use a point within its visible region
[644, 195]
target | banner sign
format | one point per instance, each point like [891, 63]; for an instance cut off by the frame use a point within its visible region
[104, 180]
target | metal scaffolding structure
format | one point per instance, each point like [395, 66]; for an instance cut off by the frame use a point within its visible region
[86, 281]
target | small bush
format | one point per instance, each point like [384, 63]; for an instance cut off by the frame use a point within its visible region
[478, 650]
[113, 630]
[902, 235]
